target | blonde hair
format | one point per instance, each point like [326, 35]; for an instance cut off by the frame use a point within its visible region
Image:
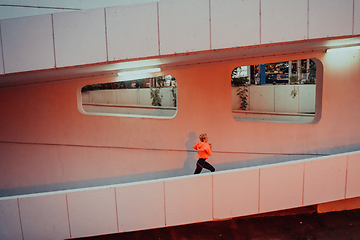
[202, 137]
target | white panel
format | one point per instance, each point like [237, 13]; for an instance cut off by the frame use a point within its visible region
[281, 187]
[307, 98]
[27, 43]
[132, 31]
[57, 6]
[234, 23]
[103, 96]
[285, 101]
[353, 176]
[283, 20]
[10, 228]
[92, 212]
[236, 193]
[44, 217]
[188, 200]
[262, 98]
[80, 37]
[140, 206]
[325, 180]
[145, 97]
[2, 71]
[184, 26]
[357, 17]
[329, 20]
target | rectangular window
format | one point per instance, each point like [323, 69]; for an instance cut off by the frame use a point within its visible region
[154, 97]
[277, 92]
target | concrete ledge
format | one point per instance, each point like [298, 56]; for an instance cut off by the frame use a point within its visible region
[180, 200]
[341, 205]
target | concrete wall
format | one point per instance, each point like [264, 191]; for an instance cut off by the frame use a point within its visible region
[44, 132]
[176, 201]
[159, 28]
[277, 98]
[131, 97]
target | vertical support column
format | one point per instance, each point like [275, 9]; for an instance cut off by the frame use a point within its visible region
[290, 69]
[262, 74]
[298, 68]
[248, 73]
[307, 68]
[252, 74]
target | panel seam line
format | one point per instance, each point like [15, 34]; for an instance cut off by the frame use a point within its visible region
[259, 192]
[164, 204]
[53, 36]
[212, 194]
[21, 227]
[68, 214]
[353, 18]
[346, 175]
[106, 37]
[259, 21]
[158, 26]
[117, 212]
[2, 50]
[308, 19]
[210, 23]
[303, 186]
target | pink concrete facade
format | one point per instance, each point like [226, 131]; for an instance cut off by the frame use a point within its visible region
[48, 144]
[44, 131]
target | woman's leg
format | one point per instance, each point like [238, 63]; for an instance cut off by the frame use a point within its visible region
[199, 166]
[209, 166]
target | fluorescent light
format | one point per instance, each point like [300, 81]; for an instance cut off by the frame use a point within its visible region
[343, 48]
[138, 74]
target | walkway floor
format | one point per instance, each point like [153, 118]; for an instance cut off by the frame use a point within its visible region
[302, 224]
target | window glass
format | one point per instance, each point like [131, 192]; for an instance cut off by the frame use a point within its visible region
[280, 92]
[154, 97]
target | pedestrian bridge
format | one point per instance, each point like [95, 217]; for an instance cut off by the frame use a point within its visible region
[180, 200]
